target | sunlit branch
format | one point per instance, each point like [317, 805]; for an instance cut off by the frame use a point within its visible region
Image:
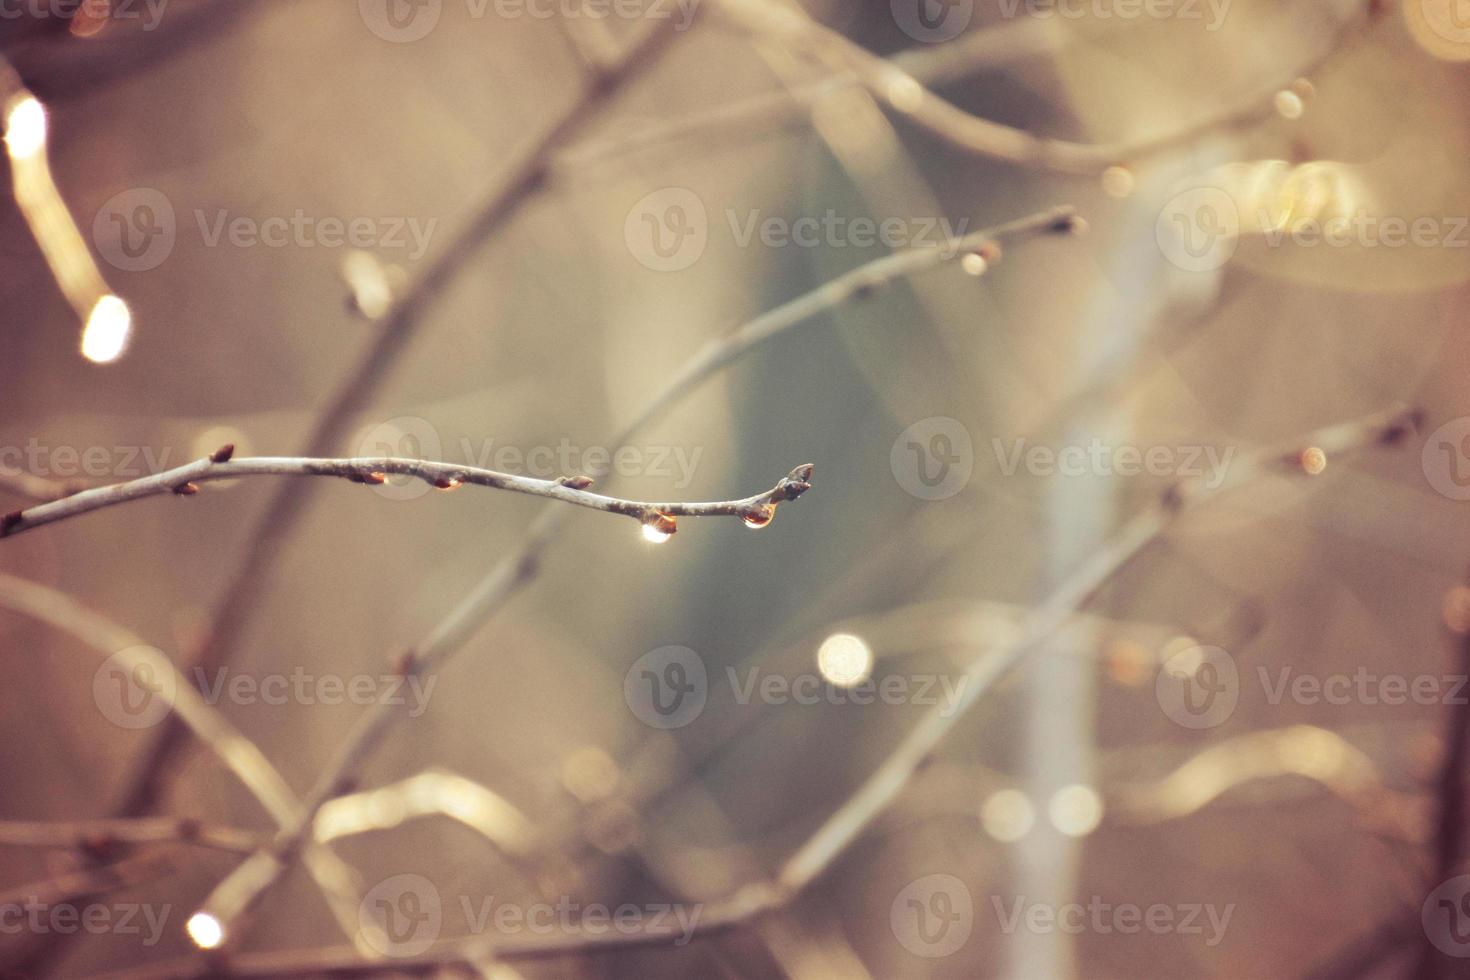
[106, 320]
[762, 114]
[879, 791]
[184, 480]
[238, 891]
[102, 835]
[903, 93]
[524, 174]
[233, 749]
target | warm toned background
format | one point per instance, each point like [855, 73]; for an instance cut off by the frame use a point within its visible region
[557, 331]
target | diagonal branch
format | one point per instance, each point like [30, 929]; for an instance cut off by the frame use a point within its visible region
[238, 891]
[844, 827]
[903, 93]
[233, 749]
[525, 175]
[184, 480]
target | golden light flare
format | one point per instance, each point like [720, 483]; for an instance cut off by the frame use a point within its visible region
[1075, 810]
[205, 930]
[25, 127]
[108, 330]
[1007, 815]
[845, 659]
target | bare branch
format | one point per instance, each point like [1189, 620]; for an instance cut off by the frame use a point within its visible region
[762, 114]
[101, 835]
[184, 481]
[905, 95]
[238, 753]
[524, 175]
[238, 891]
[882, 788]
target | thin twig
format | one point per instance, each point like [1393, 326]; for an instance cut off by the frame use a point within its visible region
[880, 790]
[267, 540]
[233, 749]
[238, 891]
[905, 95]
[1450, 788]
[835, 835]
[184, 480]
[102, 835]
[763, 114]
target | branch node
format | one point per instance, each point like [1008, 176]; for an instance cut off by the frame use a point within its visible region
[186, 489]
[10, 520]
[223, 453]
[576, 482]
